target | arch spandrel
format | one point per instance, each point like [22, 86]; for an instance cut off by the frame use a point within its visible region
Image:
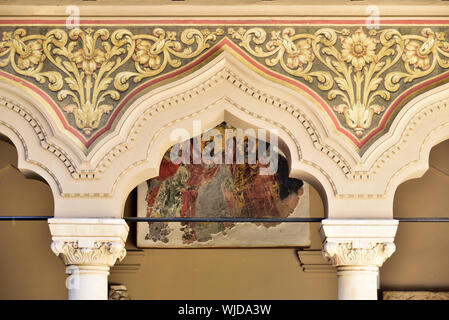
[227, 75]
[359, 77]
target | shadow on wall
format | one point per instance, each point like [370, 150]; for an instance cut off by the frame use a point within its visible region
[19, 195]
[420, 261]
[29, 269]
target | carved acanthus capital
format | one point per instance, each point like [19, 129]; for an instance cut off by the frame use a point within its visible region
[347, 254]
[99, 253]
[89, 241]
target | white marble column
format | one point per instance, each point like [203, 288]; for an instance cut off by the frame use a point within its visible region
[357, 249]
[88, 247]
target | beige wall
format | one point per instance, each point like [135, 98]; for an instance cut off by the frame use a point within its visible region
[29, 270]
[421, 260]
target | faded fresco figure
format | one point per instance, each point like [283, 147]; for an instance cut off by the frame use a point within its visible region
[223, 190]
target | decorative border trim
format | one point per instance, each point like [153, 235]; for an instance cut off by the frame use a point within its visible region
[231, 21]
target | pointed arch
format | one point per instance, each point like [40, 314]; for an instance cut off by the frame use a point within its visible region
[223, 90]
[23, 124]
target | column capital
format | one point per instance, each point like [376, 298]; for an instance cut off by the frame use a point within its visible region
[358, 242]
[345, 254]
[98, 253]
[89, 242]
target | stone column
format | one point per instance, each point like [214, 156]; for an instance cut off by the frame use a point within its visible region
[88, 247]
[357, 249]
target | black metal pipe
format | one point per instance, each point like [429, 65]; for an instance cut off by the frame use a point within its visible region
[177, 219]
[196, 219]
[444, 219]
[191, 219]
[24, 218]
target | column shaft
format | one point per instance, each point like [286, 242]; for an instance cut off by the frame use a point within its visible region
[357, 283]
[87, 282]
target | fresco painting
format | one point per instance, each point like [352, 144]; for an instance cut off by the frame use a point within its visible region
[227, 190]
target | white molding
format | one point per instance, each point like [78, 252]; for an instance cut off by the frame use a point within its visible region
[281, 9]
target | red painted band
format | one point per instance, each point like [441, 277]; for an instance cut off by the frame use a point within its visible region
[21, 22]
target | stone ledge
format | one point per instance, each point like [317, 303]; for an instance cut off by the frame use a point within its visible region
[358, 231]
[88, 230]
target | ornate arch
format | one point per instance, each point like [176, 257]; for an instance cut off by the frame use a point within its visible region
[216, 93]
[28, 129]
[223, 88]
[422, 124]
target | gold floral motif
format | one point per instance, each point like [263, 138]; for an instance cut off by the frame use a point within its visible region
[292, 51]
[88, 59]
[145, 56]
[301, 55]
[419, 55]
[413, 56]
[433, 51]
[161, 48]
[30, 54]
[358, 49]
[354, 67]
[88, 70]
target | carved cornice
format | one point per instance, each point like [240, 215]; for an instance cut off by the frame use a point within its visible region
[355, 72]
[101, 253]
[346, 254]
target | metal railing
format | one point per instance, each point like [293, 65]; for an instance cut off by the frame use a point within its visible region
[210, 219]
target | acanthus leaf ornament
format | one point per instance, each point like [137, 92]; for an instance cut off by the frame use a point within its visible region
[103, 253]
[154, 52]
[292, 51]
[26, 55]
[346, 254]
[88, 70]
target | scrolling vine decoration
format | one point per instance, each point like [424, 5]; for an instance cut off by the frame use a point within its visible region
[356, 70]
[89, 60]
[357, 66]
